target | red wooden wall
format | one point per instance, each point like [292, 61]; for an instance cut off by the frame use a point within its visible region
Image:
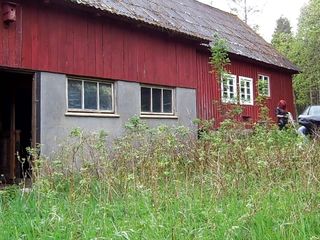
[56, 39]
[208, 88]
[60, 39]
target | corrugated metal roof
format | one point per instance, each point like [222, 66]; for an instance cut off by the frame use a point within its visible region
[197, 20]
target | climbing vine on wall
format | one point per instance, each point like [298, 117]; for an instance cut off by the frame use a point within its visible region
[219, 56]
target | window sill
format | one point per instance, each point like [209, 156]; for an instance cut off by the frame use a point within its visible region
[229, 101]
[87, 114]
[246, 104]
[158, 116]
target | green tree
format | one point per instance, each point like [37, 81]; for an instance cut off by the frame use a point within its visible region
[283, 26]
[282, 38]
[307, 55]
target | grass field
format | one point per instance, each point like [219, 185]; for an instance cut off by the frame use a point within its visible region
[165, 184]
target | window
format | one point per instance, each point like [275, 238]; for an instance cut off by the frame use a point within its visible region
[246, 90]
[264, 85]
[155, 100]
[90, 96]
[229, 88]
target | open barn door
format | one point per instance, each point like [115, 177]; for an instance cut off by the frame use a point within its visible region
[15, 125]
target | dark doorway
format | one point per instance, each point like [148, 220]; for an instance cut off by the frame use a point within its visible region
[15, 125]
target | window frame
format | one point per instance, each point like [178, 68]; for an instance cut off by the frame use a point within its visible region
[268, 89]
[173, 97]
[84, 110]
[246, 79]
[235, 91]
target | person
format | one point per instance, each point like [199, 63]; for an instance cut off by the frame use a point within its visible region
[282, 114]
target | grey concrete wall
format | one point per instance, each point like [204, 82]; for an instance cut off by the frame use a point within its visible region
[56, 124]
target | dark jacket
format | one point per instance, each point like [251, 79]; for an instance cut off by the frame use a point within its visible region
[282, 116]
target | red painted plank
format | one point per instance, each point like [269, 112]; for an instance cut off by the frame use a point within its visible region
[107, 49]
[131, 58]
[91, 47]
[67, 48]
[80, 43]
[12, 30]
[5, 46]
[99, 49]
[52, 37]
[27, 37]
[115, 45]
[41, 57]
[18, 38]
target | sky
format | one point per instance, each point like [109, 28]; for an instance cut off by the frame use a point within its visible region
[271, 10]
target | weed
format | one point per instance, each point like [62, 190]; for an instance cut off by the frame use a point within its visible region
[164, 183]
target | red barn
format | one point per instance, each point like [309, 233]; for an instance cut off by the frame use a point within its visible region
[96, 63]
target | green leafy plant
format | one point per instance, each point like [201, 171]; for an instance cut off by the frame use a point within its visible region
[219, 56]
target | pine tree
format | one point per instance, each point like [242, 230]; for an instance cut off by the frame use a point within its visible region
[282, 38]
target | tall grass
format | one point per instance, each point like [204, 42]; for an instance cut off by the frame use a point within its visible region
[165, 183]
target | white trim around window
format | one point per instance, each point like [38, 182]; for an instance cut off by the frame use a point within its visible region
[264, 85]
[90, 96]
[229, 88]
[155, 100]
[246, 90]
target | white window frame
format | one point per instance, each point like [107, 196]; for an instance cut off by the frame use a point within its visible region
[84, 110]
[173, 96]
[228, 99]
[262, 77]
[245, 80]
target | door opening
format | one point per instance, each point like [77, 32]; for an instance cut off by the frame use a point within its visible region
[15, 126]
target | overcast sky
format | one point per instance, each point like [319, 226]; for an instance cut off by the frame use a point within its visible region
[271, 10]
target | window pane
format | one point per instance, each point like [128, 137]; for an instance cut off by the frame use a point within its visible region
[105, 96]
[225, 88]
[167, 101]
[90, 95]
[314, 110]
[156, 100]
[74, 94]
[145, 99]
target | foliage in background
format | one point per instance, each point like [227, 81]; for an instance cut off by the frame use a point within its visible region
[164, 183]
[307, 52]
[282, 38]
[303, 50]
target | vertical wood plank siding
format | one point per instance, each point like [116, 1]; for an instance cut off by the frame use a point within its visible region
[208, 88]
[56, 39]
